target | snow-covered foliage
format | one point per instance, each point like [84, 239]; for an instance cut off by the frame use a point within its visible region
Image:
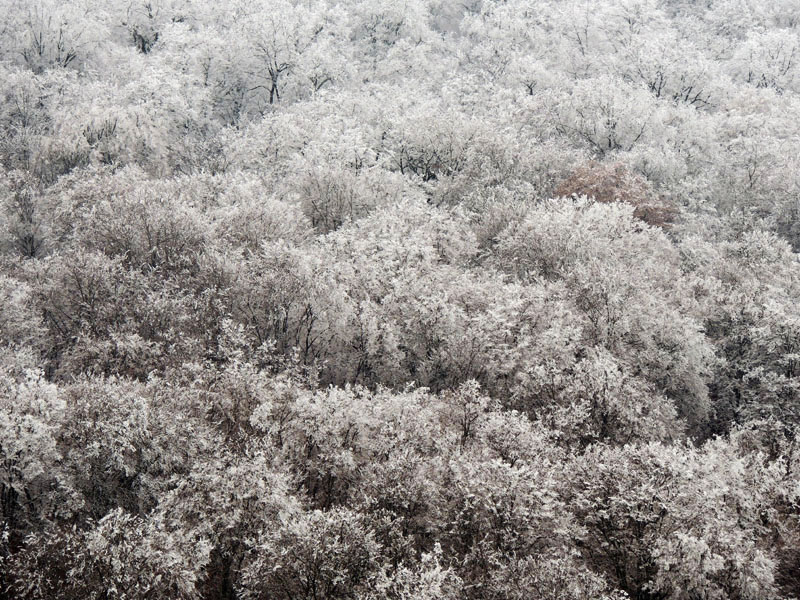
[489, 299]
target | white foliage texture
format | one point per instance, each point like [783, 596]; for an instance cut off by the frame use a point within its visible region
[419, 299]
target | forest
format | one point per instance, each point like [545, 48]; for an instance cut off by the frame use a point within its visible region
[399, 299]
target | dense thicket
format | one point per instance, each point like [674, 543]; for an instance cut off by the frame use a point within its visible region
[486, 299]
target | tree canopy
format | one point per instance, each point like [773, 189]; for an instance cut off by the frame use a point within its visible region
[486, 299]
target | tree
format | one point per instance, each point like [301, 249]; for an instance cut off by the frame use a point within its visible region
[656, 528]
[121, 554]
[615, 183]
[31, 485]
[47, 34]
[585, 245]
